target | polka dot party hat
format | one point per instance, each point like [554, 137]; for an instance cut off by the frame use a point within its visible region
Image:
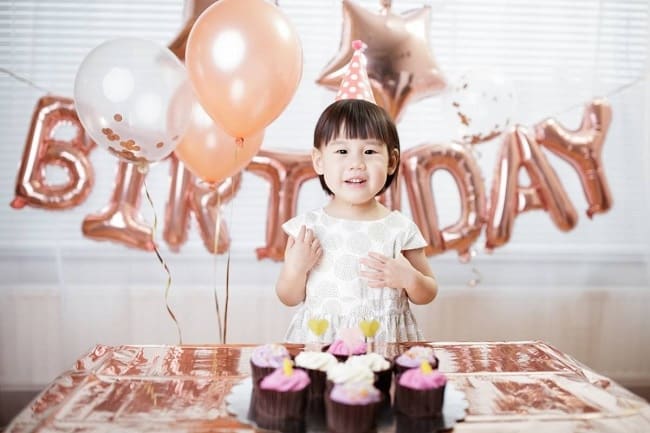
[355, 83]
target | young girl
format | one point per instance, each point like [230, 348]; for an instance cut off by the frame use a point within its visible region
[355, 259]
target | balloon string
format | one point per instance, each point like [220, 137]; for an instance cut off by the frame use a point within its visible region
[163, 263]
[217, 228]
[240, 144]
[27, 81]
[613, 92]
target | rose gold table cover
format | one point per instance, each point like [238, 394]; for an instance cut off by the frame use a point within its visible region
[510, 387]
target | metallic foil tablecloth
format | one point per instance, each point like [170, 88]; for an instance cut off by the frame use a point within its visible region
[510, 387]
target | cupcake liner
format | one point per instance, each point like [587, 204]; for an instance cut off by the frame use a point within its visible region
[417, 403]
[316, 395]
[406, 424]
[284, 411]
[348, 418]
[383, 380]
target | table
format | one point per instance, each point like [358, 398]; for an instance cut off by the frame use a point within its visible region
[510, 387]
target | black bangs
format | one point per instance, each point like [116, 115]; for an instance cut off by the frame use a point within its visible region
[356, 119]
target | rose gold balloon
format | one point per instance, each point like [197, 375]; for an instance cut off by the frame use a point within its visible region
[400, 64]
[582, 149]
[193, 9]
[210, 153]
[285, 172]
[245, 61]
[508, 199]
[418, 165]
[186, 196]
[206, 203]
[120, 220]
[43, 148]
[177, 210]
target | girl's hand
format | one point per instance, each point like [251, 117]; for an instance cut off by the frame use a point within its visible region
[303, 252]
[387, 272]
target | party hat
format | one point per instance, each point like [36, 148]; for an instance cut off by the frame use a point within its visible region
[355, 83]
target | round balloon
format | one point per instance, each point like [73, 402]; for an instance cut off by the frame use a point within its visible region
[479, 105]
[244, 60]
[210, 153]
[127, 97]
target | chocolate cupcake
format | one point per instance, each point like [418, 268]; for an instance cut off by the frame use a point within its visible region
[380, 366]
[316, 365]
[344, 373]
[265, 359]
[348, 342]
[413, 357]
[281, 400]
[353, 408]
[419, 392]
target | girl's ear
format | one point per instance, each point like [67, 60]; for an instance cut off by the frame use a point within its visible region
[393, 160]
[317, 160]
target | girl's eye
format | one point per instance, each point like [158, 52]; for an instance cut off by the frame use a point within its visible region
[341, 151]
[370, 151]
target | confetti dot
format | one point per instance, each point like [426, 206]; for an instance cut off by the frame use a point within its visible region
[117, 117]
[160, 144]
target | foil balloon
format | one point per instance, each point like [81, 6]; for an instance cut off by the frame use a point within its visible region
[192, 10]
[120, 220]
[207, 201]
[244, 59]
[520, 150]
[48, 143]
[400, 66]
[418, 166]
[583, 150]
[186, 195]
[285, 172]
[128, 94]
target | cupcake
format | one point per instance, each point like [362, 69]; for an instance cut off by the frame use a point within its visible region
[348, 342]
[419, 392]
[413, 357]
[265, 359]
[281, 399]
[344, 373]
[380, 366]
[353, 408]
[316, 365]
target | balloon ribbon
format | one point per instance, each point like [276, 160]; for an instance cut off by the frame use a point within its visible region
[163, 263]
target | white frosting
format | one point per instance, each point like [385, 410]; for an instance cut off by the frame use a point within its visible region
[350, 373]
[373, 361]
[315, 360]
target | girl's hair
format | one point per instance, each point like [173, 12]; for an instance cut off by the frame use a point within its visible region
[357, 119]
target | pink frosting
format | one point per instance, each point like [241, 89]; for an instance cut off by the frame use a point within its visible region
[339, 347]
[415, 378]
[278, 381]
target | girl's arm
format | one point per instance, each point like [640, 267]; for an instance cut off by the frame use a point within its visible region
[409, 271]
[301, 254]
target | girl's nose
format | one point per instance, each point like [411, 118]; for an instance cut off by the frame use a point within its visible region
[357, 162]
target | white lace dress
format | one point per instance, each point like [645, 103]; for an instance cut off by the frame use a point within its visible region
[336, 292]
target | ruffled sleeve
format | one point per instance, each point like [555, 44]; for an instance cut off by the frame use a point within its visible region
[292, 226]
[413, 237]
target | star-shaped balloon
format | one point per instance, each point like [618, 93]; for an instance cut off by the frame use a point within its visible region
[401, 67]
[193, 8]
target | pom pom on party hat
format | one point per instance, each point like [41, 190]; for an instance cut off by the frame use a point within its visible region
[355, 83]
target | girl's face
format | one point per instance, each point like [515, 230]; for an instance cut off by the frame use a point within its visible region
[355, 170]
